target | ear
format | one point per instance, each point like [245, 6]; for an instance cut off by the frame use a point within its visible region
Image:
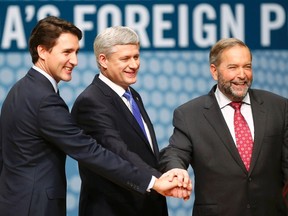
[214, 72]
[41, 52]
[102, 60]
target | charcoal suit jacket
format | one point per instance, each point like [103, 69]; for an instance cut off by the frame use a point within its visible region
[37, 131]
[223, 186]
[101, 113]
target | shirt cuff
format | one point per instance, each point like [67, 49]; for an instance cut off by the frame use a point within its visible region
[151, 184]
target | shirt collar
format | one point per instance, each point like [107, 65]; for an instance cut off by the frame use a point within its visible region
[51, 79]
[118, 89]
[224, 101]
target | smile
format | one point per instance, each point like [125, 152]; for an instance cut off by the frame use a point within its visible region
[68, 68]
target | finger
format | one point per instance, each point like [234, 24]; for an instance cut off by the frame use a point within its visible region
[186, 193]
[186, 179]
[189, 187]
[180, 178]
[174, 192]
[186, 198]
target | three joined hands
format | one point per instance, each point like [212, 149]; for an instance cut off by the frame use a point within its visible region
[175, 183]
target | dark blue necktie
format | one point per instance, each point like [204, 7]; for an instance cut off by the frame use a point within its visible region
[135, 110]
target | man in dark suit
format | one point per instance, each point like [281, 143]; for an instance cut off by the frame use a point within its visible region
[37, 132]
[228, 183]
[104, 113]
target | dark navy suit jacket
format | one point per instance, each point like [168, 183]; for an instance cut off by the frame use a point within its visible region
[37, 132]
[103, 114]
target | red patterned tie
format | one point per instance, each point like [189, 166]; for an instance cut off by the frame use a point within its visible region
[243, 135]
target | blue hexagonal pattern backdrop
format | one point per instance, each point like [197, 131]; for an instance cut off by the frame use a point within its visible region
[167, 78]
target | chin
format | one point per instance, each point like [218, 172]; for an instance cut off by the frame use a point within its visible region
[131, 81]
[239, 96]
[67, 79]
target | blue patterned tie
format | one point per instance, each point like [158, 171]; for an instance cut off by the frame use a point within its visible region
[135, 110]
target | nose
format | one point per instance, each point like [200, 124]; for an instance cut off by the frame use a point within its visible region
[242, 73]
[134, 63]
[74, 59]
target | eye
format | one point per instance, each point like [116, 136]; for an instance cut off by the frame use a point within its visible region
[248, 67]
[66, 52]
[136, 57]
[232, 67]
[124, 59]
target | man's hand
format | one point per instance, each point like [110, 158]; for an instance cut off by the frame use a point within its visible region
[182, 177]
[175, 183]
[179, 192]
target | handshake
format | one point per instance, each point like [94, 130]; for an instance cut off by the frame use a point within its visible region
[175, 183]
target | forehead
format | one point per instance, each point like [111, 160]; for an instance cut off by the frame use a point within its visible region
[236, 52]
[126, 48]
[66, 40]
[123, 51]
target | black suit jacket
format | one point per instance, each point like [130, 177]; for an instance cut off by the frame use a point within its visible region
[223, 187]
[37, 133]
[103, 114]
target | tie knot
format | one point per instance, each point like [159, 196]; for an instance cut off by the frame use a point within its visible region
[127, 95]
[236, 105]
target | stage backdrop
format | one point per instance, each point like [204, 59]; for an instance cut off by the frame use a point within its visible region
[175, 40]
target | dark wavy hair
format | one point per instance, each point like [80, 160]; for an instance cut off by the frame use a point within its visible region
[46, 33]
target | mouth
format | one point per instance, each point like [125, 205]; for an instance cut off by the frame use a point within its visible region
[131, 74]
[69, 69]
[239, 84]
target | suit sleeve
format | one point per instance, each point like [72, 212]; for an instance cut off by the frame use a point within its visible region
[179, 151]
[58, 128]
[285, 145]
[95, 118]
[1, 156]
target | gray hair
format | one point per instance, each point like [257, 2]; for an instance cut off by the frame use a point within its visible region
[118, 35]
[223, 44]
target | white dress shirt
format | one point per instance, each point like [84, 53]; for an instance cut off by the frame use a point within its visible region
[228, 112]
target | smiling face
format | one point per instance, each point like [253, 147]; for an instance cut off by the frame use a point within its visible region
[122, 66]
[61, 59]
[234, 73]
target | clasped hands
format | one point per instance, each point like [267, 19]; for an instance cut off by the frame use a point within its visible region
[175, 182]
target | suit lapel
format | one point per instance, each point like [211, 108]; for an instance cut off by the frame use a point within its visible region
[129, 116]
[149, 125]
[124, 110]
[259, 119]
[215, 118]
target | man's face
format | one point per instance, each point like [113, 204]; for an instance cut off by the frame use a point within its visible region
[61, 59]
[234, 73]
[122, 66]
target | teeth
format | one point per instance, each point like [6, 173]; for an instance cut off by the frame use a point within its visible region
[67, 68]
